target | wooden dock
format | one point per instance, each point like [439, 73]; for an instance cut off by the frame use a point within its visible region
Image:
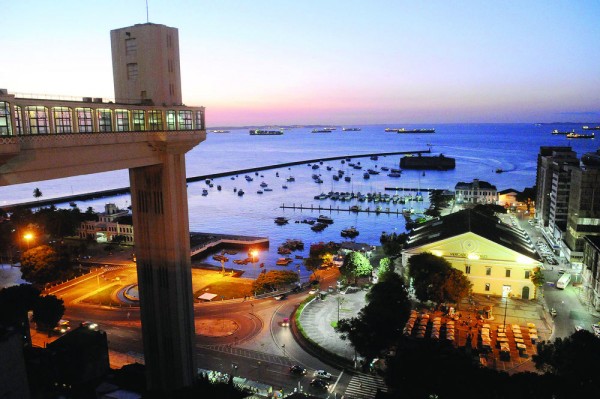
[330, 209]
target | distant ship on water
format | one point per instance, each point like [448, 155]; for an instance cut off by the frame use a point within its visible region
[351, 129]
[403, 130]
[591, 128]
[220, 131]
[259, 132]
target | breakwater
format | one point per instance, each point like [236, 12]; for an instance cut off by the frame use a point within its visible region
[126, 190]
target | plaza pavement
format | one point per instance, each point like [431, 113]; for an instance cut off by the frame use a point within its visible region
[318, 316]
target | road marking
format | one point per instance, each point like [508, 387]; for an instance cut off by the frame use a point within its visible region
[336, 381]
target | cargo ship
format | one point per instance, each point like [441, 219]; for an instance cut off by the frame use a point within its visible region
[220, 131]
[403, 130]
[439, 162]
[258, 132]
[591, 128]
[325, 130]
[351, 129]
[580, 136]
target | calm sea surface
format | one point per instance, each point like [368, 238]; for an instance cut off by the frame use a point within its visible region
[479, 150]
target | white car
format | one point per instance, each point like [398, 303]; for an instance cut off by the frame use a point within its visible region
[322, 374]
[312, 292]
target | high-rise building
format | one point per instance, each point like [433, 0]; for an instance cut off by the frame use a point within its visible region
[584, 205]
[146, 64]
[591, 271]
[549, 160]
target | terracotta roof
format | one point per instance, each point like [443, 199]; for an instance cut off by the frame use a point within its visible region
[472, 221]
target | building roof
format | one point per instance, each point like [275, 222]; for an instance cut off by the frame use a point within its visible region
[469, 220]
[509, 191]
[476, 183]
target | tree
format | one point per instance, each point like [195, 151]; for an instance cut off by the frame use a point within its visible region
[434, 279]
[356, 265]
[574, 360]
[385, 265]
[42, 264]
[272, 279]
[15, 302]
[538, 279]
[379, 324]
[392, 243]
[47, 312]
[119, 238]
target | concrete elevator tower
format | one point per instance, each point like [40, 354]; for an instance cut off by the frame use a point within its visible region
[146, 71]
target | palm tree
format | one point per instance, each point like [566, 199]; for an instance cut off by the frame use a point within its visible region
[537, 278]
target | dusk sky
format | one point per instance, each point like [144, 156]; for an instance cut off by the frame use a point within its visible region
[330, 62]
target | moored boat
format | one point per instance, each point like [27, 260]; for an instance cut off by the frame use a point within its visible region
[324, 219]
[403, 130]
[350, 232]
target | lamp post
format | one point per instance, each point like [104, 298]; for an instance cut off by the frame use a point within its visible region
[505, 307]
[340, 300]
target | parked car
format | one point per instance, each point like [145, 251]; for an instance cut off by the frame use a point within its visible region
[561, 272]
[280, 297]
[318, 383]
[295, 369]
[322, 374]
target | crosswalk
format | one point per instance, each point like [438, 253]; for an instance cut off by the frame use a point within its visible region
[364, 386]
[250, 354]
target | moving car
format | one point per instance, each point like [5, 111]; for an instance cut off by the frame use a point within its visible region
[318, 383]
[322, 374]
[295, 369]
[280, 297]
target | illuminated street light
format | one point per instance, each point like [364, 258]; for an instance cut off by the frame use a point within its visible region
[28, 237]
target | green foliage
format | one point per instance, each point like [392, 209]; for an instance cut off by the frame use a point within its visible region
[318, 253]
[42, 264]
[119, 239]
[47, 311]
[272, 279]
[393, 243]
[379, 324]
[537, 277]
[385, 265]
[356, 265]
[435, 280]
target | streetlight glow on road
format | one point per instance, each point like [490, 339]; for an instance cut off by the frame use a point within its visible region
[28, 237]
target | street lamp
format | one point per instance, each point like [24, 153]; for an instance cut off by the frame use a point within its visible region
[28, 237]
[505, 306]
[340, 300]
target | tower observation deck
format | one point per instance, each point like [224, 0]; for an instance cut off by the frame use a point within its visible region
[42, 139]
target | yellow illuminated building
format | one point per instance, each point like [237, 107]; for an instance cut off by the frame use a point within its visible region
[498, 259]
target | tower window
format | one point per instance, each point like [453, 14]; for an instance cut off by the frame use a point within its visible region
[130, 46]
[132, 71]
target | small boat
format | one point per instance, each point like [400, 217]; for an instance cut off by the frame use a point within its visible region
[591, 127]
[315, 166]
[325, 130]
[263, 184]
[347, 178]
[366, 176]
[329, 168]
[396, 170]
[284, 261]
[556, 131]
[268, 189]
[220, 258]
[219, 187]
[280, 220]
[73, 204]
[319, 227]
[355, 208]
[351, 129]
[324, 219]
[385, 168]
[373, 171]
[284, 187]
[350, 232]
[291, 178]
[259, 192]
[499, 170]
[394, 174]
[374, 158]
[240, 192]
[204, 192]
[336, 177]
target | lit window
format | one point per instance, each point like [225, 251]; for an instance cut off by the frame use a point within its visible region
[155, 121]
[185, 120]
[122, 118]
[171, 120]
[62, 120]
[139, 124]
[104, 120]
[84, 120]
[5, 125]
[37, 118]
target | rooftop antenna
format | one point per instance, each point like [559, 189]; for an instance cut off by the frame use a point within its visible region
[147, 18]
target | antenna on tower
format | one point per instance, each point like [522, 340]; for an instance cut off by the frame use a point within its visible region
[147, 18]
